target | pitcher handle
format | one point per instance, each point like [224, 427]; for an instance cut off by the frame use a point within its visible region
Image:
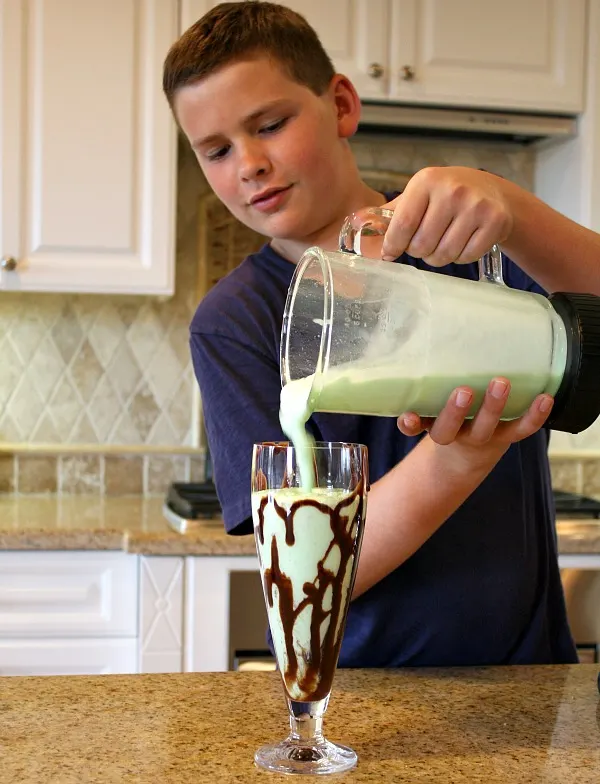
[490, 266]
[374, 221]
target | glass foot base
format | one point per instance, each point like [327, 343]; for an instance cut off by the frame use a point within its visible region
[312, 759]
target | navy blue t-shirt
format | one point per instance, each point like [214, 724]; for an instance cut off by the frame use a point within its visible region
[484, 589]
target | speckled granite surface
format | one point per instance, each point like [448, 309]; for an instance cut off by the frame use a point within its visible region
[86, 522]
[513, 724]
[136, 524]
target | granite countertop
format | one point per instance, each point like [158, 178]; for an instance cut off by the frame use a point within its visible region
[137, 525]
[131, 523]
[494, 725]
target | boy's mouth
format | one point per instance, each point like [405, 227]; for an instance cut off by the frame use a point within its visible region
[269, 199]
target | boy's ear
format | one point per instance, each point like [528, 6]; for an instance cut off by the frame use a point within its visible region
[347, 105]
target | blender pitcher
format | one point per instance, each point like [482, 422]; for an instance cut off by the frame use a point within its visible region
[381, 338]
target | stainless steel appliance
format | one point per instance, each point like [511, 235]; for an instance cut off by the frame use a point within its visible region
[581, 586]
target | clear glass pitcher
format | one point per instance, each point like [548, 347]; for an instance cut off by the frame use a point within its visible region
[382, 338]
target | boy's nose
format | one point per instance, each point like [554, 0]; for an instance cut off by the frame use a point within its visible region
[253, 162]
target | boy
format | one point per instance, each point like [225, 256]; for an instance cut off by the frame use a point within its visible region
[459, 561]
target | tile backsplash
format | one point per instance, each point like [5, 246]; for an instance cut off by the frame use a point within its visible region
[112, 371]
[116, 370]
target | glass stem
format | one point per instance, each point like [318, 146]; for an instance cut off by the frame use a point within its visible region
[306, 721]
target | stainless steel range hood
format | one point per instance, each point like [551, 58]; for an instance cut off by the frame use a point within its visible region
[456, 122]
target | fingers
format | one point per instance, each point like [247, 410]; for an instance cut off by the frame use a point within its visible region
[447, 214]
[487, 418]
[412, 424]
[485, 424]
[530, 422]
[429, 236]
[408, 214]
[446, 426]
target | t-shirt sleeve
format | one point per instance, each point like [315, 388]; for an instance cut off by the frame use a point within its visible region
[240, 387]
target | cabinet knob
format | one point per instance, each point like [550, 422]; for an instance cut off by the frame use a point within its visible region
[408, 73]
[376, 70]
[8, 263]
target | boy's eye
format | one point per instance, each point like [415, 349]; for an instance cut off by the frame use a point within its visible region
[218, 153]
[274, 126]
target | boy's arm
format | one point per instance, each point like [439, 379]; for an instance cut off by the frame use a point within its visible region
[408, 504]
[455, 214]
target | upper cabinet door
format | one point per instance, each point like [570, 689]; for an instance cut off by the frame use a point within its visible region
[88, 164]
[354, 33]
[509, 54]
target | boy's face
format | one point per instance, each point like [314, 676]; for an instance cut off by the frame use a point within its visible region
[268, 146]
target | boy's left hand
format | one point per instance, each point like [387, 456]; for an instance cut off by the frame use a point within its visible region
[448, 214]
[482, 440]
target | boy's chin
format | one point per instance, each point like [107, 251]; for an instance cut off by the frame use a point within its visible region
[282, 228]
[288, 227]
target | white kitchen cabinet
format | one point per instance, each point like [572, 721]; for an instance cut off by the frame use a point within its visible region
[88, 146]
[88, 612]
[68, 657]
[207, 599]
[66, 594]
[506, 55]
[510, 55]
[68, 613]
[161, 614]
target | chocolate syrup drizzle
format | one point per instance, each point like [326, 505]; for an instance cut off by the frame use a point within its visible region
[321, 659]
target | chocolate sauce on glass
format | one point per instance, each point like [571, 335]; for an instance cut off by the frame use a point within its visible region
[322, 656]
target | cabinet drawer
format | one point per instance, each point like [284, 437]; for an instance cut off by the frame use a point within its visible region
[68, 657]
[68, 594]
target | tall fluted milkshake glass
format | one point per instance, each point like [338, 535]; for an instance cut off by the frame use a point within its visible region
[308, 532]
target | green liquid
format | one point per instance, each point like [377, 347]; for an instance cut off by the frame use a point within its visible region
[361, 394]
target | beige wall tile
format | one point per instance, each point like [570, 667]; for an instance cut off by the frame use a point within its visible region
[86, 371]
[591, 478]
[123, 475]
[566, 475]
[37, 474]
[161, 470]
[197, 468]
[80, 474]
[7, 473]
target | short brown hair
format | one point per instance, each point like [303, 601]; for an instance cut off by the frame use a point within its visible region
[232, 31]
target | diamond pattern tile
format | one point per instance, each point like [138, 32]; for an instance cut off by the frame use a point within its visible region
[86, 371]
[64, 406]
[104, 409]
[106, 333]
[67, 334]
[143, 411]
[26, 405]
[164, 372]
[144, 335]
[83, 432]
[45, 431]
[163, 433]
[46, 367]
[124, 371]
[50, 307]
[125, 432]
[9, 432]
[11, 369]
[26, 333]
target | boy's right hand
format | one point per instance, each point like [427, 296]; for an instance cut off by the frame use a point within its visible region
[479, 442]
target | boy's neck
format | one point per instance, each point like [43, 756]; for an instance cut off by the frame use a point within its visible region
[327, 237]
